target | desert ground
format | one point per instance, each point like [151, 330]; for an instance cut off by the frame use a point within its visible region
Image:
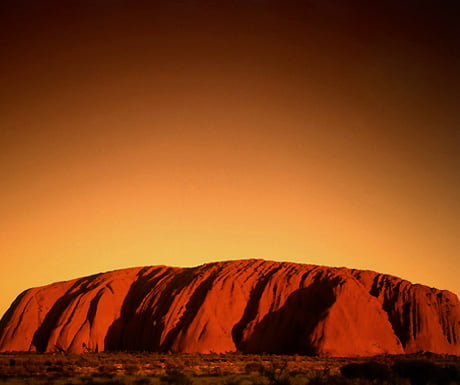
[226, 369]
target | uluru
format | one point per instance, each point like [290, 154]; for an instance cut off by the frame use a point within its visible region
[250, 306]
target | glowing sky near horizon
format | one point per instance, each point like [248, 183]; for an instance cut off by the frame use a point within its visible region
[142, 134]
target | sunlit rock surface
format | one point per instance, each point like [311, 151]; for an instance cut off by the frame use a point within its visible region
[244, 305]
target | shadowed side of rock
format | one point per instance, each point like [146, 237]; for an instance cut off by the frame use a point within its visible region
[423, 318]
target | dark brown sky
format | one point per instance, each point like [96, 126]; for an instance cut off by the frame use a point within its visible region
[147, 132]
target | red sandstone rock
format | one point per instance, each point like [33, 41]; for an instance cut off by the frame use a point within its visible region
[247, 305]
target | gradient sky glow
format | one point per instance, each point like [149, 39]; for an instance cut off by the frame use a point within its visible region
[140, 133]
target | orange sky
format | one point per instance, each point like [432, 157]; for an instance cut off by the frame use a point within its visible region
[146, 134]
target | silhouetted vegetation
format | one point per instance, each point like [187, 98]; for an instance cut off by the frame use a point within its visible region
[424, 372]
[224, 369]
[370, 370]
[176, 376]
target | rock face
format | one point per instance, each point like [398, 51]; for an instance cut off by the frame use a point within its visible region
[247, 305]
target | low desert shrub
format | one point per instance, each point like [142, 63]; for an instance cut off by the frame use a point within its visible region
[233, 380]
[253, 367]
[142, 381]
[450, 374]
[322, 378]
[276, 372]
[370, 370]
[175, 377]
[419, 372]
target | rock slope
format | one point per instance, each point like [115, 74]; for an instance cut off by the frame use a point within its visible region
[246, 305]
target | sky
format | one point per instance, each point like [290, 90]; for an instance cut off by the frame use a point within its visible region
[140, 133]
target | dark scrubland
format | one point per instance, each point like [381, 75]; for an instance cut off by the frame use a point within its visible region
[226, 369]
